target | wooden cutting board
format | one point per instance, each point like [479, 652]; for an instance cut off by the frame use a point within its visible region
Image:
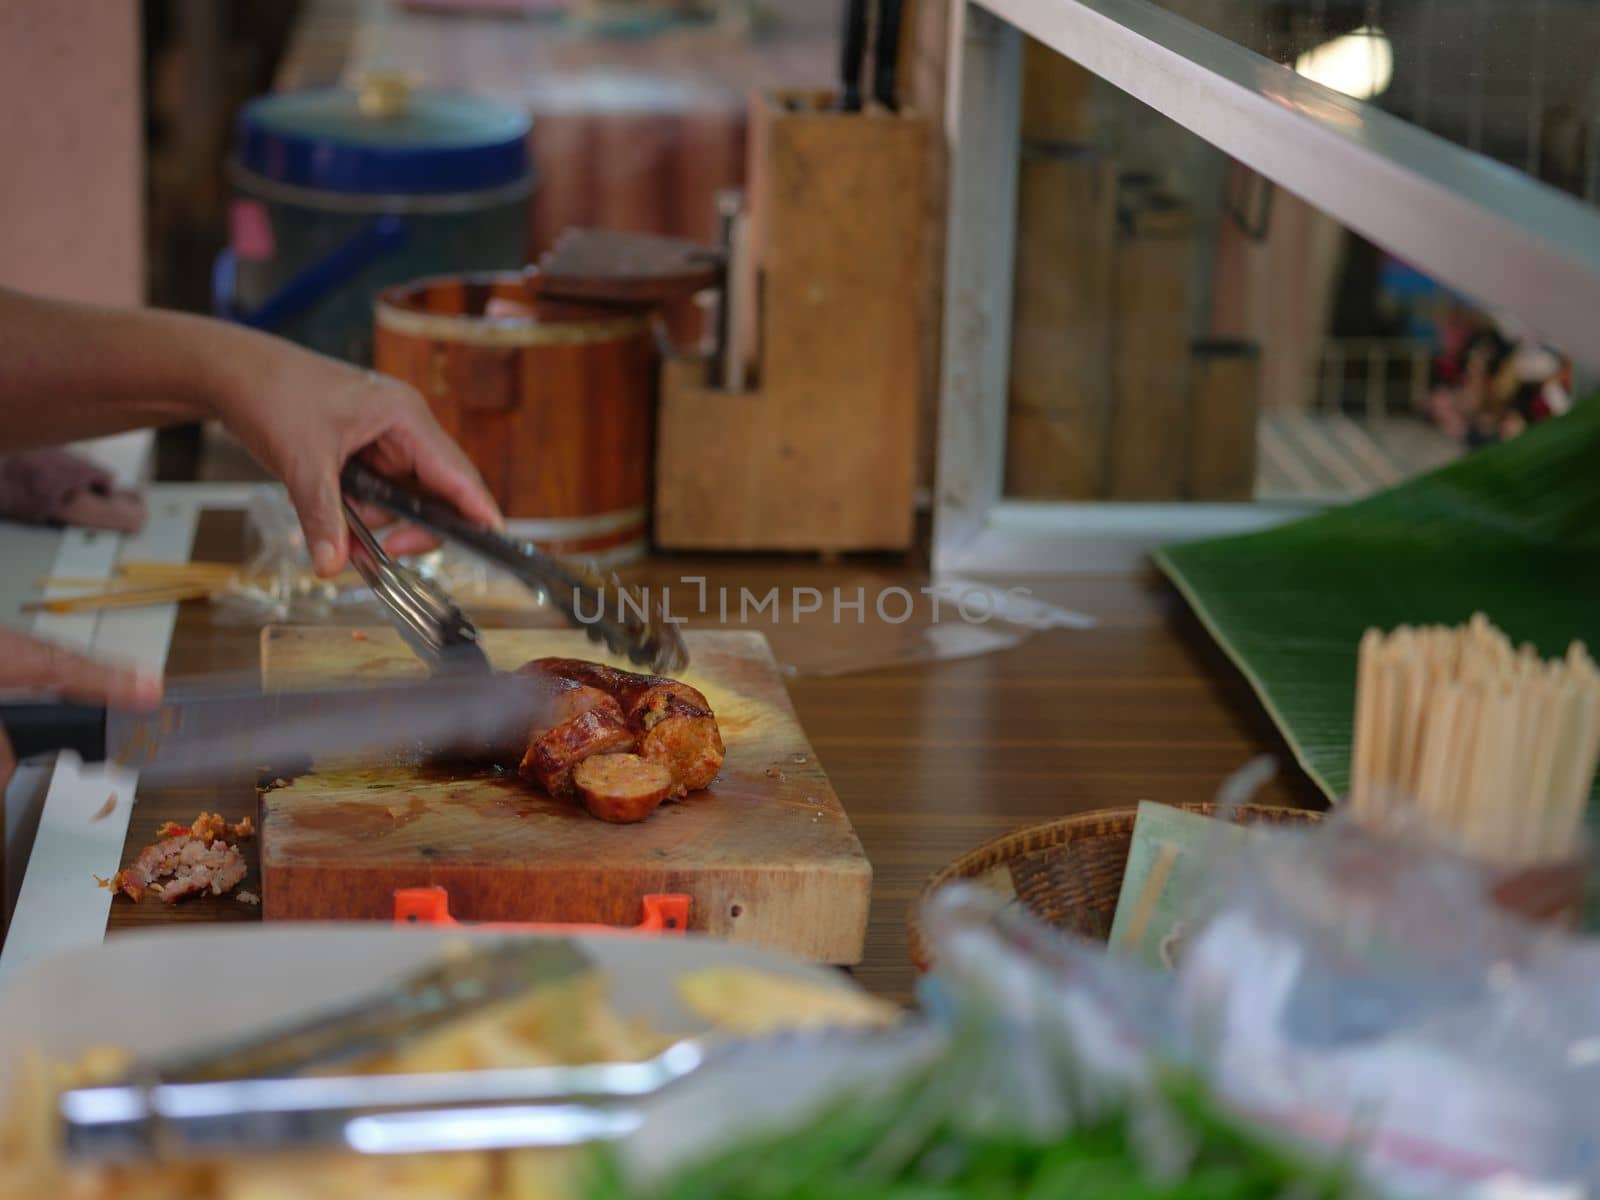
[766, 854]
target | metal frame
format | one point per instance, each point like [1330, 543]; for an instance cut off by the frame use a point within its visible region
[1475, 225]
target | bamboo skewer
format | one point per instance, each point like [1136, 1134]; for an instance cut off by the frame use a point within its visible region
[136, 584]
[125, 598]
[1492, 747]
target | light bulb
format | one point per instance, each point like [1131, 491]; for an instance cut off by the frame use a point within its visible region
[1359, 64]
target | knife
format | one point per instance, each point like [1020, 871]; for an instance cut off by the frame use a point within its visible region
[853, 48]
[886, 52]
[205, 731]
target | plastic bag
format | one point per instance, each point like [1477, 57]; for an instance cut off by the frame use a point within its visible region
[277, 583]
[1361, 996]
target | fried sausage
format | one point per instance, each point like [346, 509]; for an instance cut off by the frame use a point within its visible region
[685, 740]
[551, 756]
[631, 690]
[672, 723]
[569, 699]
[654, 702]
[621, 788]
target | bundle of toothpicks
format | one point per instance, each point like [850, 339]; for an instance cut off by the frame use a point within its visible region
[1486, 747]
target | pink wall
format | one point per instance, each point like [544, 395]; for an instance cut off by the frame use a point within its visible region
[71, 149]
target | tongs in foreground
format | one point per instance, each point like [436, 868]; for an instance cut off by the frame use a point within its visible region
[720, 1082]
[586, 599]
[249, 1098]
[370, 1114]
[249, 1095]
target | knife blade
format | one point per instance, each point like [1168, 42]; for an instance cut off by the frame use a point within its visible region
[205, 731]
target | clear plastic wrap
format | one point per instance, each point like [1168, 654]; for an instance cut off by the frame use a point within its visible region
[1365, 997]
[276, 583]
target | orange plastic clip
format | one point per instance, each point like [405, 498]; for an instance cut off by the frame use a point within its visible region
[664, 915]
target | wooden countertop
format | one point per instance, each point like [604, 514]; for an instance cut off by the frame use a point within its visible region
[929, 758]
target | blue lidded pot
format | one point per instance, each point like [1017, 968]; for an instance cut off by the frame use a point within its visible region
[342, 192]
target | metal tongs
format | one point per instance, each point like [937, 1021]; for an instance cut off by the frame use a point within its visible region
[442, 635]
[256, 1096]
[251, 1096]
[437, 631]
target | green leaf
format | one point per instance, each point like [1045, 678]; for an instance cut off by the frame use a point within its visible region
[1512, 531]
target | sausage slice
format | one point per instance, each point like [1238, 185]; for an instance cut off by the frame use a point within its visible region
[621, 787]
[671, 723]
[685, 740]
[552, 756]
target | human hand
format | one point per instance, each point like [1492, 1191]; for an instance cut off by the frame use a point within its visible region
[302, 416]
[28, 664]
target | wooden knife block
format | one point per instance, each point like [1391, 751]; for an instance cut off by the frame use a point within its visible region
[820, 455]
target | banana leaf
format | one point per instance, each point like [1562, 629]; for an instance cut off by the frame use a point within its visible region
[1512, 531]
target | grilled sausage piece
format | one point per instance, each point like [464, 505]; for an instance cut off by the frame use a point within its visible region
[573, 700]
[551, 756]
[685, 740]
[632, 691]
[673, 722]
[567, 698]
[621, 788]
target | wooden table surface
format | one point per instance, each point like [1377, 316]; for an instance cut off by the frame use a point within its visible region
[930, 758]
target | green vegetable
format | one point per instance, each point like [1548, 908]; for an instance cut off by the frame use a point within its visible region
[832, 1157]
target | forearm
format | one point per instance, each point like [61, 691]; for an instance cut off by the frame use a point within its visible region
[70, 371]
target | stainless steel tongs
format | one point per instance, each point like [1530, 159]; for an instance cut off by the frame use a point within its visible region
[438, 630]
[497, 1109]
[273, 1092]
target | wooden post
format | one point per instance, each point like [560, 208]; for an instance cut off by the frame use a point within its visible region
[1224, 400]
[1060, 379]
[1150, 364]
[1057, 97]
[1061, 343]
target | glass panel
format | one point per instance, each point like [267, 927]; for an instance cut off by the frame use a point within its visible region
[1183, 330]
[1512, 79]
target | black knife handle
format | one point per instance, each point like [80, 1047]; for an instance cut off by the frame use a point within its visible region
[886, 67]
[39, 729]
[853, 49]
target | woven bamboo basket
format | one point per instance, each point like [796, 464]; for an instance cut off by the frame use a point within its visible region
[1068, 873]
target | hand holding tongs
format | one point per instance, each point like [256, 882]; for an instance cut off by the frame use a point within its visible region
[442, 634]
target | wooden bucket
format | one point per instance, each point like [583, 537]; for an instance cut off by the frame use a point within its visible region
[552, 401]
